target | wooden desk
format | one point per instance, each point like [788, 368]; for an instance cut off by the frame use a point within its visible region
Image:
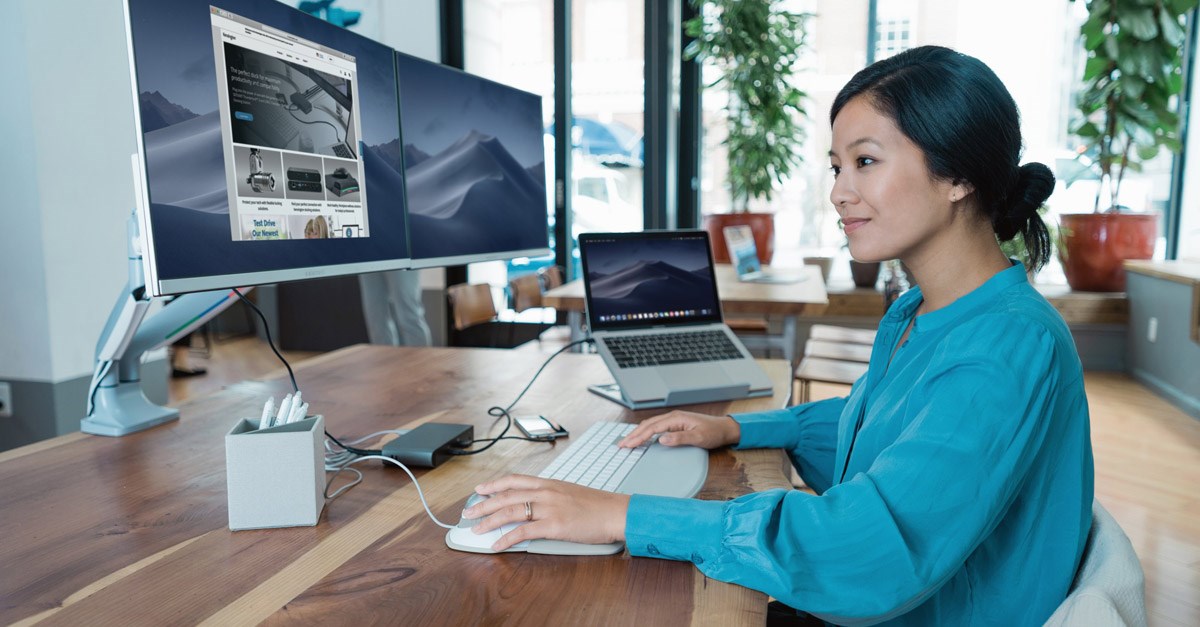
[789, 300]
[133, 530]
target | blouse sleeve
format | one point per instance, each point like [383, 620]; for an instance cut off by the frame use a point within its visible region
[808, 432]
[877, 545]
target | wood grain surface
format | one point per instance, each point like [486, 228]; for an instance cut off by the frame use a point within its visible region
[134, 530]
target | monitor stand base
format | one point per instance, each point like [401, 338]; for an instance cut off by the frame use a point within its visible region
[123, 410]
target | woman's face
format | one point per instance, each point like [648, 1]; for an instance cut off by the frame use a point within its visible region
[890, 206]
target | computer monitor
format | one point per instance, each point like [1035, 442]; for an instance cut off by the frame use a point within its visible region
[269, 146]
[475, 166]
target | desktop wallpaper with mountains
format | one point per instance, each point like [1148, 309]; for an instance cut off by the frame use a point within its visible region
[647, 276]
[474, 162]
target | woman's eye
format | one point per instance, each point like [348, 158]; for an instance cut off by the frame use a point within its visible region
[865, 161]
[835, 169]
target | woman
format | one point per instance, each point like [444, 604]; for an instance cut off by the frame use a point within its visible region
[955, 481]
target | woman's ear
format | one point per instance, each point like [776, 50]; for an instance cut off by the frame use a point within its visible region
[960, 190]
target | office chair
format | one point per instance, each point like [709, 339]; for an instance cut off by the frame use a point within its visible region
[476, 321]
[1109, 588]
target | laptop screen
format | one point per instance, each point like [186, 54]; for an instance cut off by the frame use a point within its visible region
[654, 278]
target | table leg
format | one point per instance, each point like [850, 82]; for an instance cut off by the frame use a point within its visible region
[789, 339]
[575, 323]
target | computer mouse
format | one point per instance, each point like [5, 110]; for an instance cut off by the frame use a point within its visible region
[341, 173]
[462, 538]
[473, 500]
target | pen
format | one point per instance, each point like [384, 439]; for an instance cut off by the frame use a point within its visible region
[295, 405]
[299, 413]
[284, 407]
[269, 407]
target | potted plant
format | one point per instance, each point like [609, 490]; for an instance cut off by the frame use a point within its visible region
[864, 274]
[754, 45]
[1132, 75]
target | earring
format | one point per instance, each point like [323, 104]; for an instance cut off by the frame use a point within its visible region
[841, 225]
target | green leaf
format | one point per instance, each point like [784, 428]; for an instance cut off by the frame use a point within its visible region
[1095, 67]
[1179, 7]
[1139, 22]
[1172, 32]
[1174, 82]
[1146, 153]
[1110, 47]
[1093, 32]
[1134, 87]
[1087, 129]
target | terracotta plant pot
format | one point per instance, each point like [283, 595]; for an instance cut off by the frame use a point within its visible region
[762, 225]
[1097, 245]
[865, 274]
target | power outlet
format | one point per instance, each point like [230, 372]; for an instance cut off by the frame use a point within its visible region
[1152, 330]
[5, 400]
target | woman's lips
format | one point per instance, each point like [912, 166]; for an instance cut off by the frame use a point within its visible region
[850, 225]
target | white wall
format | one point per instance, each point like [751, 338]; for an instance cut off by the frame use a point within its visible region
[68, 103]
[24, 332]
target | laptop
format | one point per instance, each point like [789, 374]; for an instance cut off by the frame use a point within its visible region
[653, 310]
[744, 256]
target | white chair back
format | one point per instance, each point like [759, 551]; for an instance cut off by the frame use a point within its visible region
[1109, 587]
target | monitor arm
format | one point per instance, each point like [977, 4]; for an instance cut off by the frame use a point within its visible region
[116, 404]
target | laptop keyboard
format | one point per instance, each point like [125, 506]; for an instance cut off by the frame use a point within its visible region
[659, 349]
[594, 460]
[342, 151]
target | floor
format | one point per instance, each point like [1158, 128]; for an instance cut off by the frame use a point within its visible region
[1147, 455]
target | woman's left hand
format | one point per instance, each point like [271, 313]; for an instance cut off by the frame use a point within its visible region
[561, 511]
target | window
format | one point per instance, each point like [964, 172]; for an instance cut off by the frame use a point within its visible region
[608, 102]
[1042, 80]
[805, 223]
[511, 41]
[1188, 246]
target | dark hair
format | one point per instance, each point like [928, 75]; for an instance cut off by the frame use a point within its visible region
[961, 116]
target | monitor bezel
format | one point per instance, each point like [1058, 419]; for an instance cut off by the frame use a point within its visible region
[167, 287]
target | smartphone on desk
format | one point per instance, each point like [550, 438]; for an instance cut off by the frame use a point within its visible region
[540, 428]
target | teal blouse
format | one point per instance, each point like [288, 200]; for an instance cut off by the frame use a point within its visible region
[964, 499]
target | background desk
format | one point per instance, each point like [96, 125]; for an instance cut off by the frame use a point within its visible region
[788, 300]
[133, 530]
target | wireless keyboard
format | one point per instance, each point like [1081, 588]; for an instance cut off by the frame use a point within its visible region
[594, 460]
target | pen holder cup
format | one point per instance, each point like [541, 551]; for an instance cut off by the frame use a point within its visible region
[275, 476]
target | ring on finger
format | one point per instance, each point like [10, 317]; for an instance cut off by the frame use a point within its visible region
[528, 511]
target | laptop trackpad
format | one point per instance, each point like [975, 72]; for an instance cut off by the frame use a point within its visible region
[694, 377]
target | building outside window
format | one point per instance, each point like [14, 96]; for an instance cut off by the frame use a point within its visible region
[511, 41]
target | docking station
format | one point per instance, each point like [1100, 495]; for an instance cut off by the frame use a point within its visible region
[429, 444]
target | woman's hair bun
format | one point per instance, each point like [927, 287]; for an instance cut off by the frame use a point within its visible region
[1034, 185]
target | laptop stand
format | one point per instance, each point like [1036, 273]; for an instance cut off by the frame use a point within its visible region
[612, 392]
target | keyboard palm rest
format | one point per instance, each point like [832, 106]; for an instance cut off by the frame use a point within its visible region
[594, 460]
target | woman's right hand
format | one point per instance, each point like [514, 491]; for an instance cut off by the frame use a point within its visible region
[685, 428]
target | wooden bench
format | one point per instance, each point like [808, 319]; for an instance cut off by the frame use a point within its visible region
[833, 355]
